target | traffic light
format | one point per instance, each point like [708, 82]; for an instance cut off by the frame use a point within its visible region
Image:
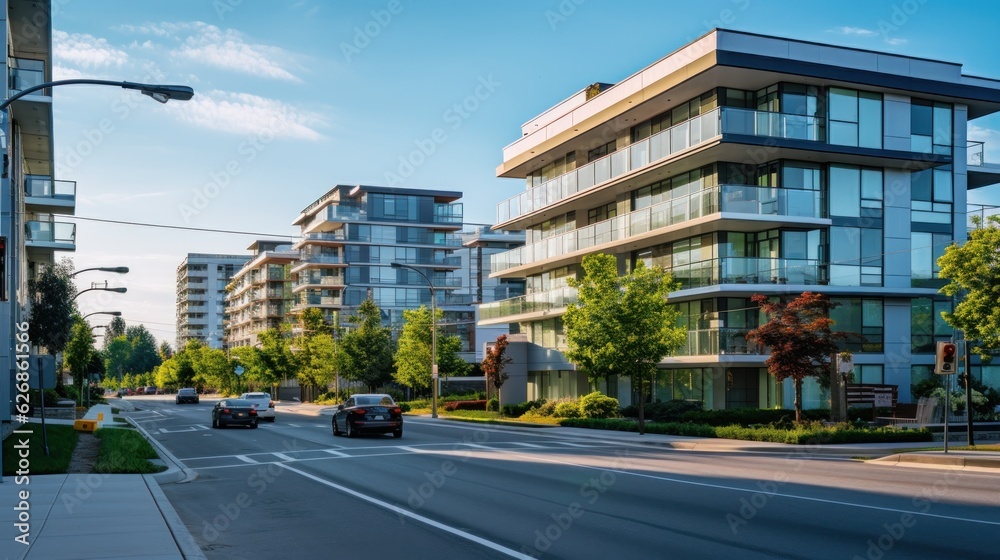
[945, 358]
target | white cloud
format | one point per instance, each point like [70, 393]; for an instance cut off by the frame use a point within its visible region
[81, 49]
[894, 41]
[228, 49]
[854, 31]
[244, 113]
[64, 73]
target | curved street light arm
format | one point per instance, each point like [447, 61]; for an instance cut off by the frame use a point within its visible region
[120, 290]
[161, 93]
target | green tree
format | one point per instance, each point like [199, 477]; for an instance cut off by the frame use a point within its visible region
[143, 354]
[316, 357]
[799, 337]
[52, 294]
[973, 274]
[114, 329]
[79, 350]
[167, 374]
[276, 355]
[212, 368]
[622, 325]
[450, 363]
[166, 351]
[413, 353]
[494, 362]
[116, 358]
[365, 352]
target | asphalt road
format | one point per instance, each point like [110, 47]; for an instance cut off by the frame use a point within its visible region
[450, 490]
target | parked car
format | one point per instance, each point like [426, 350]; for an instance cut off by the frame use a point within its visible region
[234, 412]
[150, 390]
[263, 403]
[368, 413]
[140, 391]
[187, 394]
[124, 392]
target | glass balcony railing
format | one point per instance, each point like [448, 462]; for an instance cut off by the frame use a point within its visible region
[749, 270]
[975, 154]
[709, 342]
[322, 259]
[52, 232]
[312, 299]
[725, 198]
[44, 186]
[528, 303]
[26, 73]
[320, 280]
[338, 236]
[679, 137]
[448, 213]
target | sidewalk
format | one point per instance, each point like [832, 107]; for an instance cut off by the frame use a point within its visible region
[82, 517]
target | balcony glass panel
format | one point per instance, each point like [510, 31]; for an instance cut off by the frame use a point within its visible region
[529, 303]
[749, 270]
[448, 213]
[51, 232]
[708, 342]
[44, 186]
[26, 73]
[734, 198]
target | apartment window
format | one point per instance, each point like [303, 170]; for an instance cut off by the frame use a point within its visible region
[602, 213]
[869, 373]
[925, 249]
[930, 127]
[855, 256]
[927, 326]
[862, 319]
[685, 111]
[853, 190]
[557, 167]
[855, 118]
[601, 151]
[677, 186]
[931, 194]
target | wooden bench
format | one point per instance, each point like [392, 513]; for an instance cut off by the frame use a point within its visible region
[878, 396]
[923, 414]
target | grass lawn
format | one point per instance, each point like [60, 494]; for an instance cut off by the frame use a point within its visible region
[61, 440]
[125, 452]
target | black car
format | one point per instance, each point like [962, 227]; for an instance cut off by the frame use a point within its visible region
[368, 413]
[234, 412]
[186, 394]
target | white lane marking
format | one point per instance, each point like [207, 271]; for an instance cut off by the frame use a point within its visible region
[246, 459]
[478, 446]
[336, 453]
[283, 457]
[292, 425]
[404, 512]
[413, 449]
[752, 490]
[525, 444]
[571, 444]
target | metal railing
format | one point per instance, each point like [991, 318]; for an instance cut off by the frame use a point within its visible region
[43, 186]
[975, 154]
[679, 137]
[747, 199]
[50, 232]
[529, 303]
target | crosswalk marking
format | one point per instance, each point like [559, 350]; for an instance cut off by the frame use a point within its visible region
[336, 453]
[283, 457]
[246, 459]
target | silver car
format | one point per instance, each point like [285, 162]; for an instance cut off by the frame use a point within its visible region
[263, 403]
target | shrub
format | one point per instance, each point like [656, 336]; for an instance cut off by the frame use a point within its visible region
[626, 425]
[516, 410]
[396, 394]
[666, 411]
[598, 405]
[465, 405]
[493, 405]
[405, 407]
[68, 392]
[751, 416]
[567, 409]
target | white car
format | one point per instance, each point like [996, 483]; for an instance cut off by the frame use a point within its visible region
[263, 403]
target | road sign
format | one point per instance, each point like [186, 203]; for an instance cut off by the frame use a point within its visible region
[239, 370]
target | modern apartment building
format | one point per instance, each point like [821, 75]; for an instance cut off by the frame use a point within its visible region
[201, 296]
[260, 294]
[746, 164]
[31, 231]
[478, 247]
[353, 234]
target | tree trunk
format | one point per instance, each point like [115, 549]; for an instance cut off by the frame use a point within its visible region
[798, 400]
[642, 401]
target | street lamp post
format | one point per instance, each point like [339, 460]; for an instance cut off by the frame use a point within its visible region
[112, 313]
[118, 269]
[434, 367]
[159, 92]
[104, 288]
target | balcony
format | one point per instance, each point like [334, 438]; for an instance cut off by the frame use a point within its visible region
[26, 73]
[744, 199]
[529, 303]
[712, 342]
[50, 235]
[46, 195]
[659, 146]
[314, 261]
[337, 238]
[750, 270]
[448, 213]
[980, 172]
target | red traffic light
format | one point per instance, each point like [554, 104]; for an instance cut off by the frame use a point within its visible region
[948, 351]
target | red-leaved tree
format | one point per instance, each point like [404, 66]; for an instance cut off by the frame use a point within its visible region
[799, 338]
[494, 362]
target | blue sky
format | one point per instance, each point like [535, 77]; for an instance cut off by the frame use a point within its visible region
[295, 96]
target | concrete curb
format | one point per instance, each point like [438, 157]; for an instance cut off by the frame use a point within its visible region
[177, 472]
[182, 536]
